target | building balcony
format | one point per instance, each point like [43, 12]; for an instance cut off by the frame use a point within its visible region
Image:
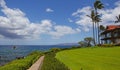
[109, 38]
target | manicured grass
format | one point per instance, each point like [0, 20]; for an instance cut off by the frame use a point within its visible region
[22, 64]
[91, 58]
[51, 63]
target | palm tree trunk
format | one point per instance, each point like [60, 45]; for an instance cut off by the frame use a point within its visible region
[98, 5]
[94, 33]
[97, 29]
[98, 32]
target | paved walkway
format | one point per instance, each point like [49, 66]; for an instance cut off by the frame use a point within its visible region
[37, 65]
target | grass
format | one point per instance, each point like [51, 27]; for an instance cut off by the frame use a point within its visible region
[22, 64]
[51, 63]
[91, 58]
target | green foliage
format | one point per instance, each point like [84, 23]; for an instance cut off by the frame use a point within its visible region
[55, 49]
[51, 63]
[118, 19]
[73, 47]
[22, 64]
[91, 58]
[83, 44]
[89, 40]
[107, 45]
[102, 28]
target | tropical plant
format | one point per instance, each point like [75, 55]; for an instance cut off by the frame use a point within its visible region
[118, 19]
[98, 5]
[88, 40]
[82, 43]
[92, 16]
[97, 20]
[55, 49]
[102, 28]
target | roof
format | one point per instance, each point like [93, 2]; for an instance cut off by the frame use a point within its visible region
[112, 27]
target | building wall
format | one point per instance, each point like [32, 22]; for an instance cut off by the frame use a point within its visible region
[117, 41]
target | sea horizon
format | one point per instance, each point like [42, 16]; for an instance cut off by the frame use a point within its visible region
[9, 53]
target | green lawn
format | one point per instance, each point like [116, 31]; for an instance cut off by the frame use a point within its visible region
[91, 58]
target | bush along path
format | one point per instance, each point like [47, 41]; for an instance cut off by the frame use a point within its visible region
[51, 63]
[37, 65]
[22, 64]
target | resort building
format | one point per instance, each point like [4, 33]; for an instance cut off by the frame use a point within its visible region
[111, 35]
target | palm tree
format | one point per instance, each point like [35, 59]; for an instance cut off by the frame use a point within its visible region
[102, 28]
[118, 19]
[97, 20]
[98, 5]
[92, 16]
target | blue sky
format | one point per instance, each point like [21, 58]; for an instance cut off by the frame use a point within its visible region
[44, 22]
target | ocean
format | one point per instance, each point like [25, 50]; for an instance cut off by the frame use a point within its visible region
[8, 53]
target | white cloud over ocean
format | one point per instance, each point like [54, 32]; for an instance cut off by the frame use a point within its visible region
[16, 25]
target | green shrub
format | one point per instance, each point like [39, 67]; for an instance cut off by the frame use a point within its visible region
[107, 45]
[22, 64]
[55, 49]
[51, 63]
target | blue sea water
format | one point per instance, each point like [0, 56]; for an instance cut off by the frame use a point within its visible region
[8, 53]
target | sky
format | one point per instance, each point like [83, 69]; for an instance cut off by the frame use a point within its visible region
[49, 22]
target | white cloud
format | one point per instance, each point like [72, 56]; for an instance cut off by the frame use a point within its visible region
[84, 10]
[49, 10]
[3, 4]
[108, 16]
[81, 19]
[16, 25]
[60, 31]
[70, 20]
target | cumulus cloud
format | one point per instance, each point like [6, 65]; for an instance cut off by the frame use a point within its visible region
[108, 16]
[15, 25]
[70, 20]
[81, 19]
[3, 4]
[49, 10]
[62, 30]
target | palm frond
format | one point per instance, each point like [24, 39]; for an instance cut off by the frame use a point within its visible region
[98, 4]
[92, 15]
[118, 19]
[88, 16]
